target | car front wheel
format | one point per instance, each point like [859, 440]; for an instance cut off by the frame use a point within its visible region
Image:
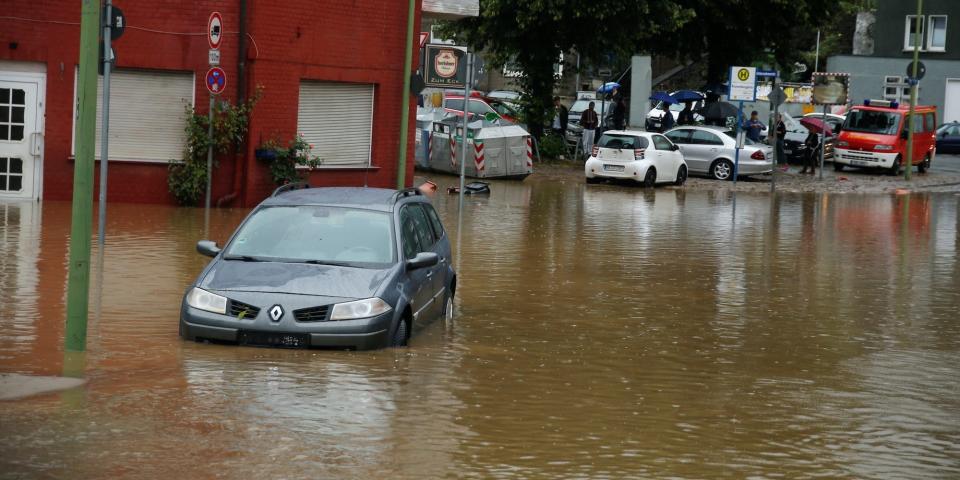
[681, 176]
[399, 338]
[895, 168]
[924, 165]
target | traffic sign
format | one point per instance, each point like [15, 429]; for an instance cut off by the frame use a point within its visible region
[424, 36]
[743, 84]
[921, 70]
[213, 58]
[777, 96]
[117, 22]
[215, 30]
[768, 73]
[216, 80]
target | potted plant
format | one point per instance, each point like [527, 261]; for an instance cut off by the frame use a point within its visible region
[287, 164]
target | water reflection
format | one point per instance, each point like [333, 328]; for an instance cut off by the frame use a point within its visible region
[603, 332]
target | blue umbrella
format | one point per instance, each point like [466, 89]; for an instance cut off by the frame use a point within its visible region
[608, 87]
[687, 96]
[663, 97]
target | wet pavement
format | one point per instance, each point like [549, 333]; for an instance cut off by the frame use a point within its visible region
[602, 332]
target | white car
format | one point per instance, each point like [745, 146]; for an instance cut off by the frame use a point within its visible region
[712, 150]
[644, 157]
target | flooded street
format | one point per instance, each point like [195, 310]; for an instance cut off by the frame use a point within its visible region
[602, 332]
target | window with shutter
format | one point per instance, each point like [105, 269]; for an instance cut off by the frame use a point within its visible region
[337, 120]
[146, 114]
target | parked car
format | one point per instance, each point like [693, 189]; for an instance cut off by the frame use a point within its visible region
[875, 135]
[508, 96]
[655, 114]
[711, 150]
[644, 157]
[353, 268]
[478, 106]
[948, 138]
[574, 129]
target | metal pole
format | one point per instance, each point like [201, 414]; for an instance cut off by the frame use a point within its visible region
[913, 91]
[736, 154]
[78, 276]
[209, 152]
[816, 60]
[823, 140]
[105, 125]
[463, 138]
[776, 140]
[405, 95]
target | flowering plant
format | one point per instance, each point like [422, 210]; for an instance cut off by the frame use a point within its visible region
[290, 163]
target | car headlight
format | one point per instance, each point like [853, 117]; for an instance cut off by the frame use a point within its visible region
[843, 143]
[204, 300]
[883, 147]
[369, 307]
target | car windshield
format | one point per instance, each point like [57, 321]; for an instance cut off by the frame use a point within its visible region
[872, 121]
[580, 105]
[503, 109]
[623, 142]
[314, 234]
[746, 141]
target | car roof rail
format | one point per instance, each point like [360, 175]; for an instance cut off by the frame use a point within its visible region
[290, 187]
[406, 192]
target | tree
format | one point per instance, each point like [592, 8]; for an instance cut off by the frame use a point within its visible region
[735, 32]
[533, 33]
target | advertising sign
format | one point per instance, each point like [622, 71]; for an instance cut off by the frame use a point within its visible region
[743, 84]
[446, 66]
[830, 88]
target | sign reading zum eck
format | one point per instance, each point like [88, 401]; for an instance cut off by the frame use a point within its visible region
[446, 66]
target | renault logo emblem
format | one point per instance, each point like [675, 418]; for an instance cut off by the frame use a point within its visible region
[276, 313]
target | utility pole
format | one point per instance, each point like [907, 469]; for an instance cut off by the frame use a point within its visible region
[78, 276]
[105, 123]
[913, 89]
[405, 97]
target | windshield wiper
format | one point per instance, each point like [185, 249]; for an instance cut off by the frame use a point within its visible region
[245, 258]
[327, 262]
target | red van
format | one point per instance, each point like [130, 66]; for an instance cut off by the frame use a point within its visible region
[874, 135]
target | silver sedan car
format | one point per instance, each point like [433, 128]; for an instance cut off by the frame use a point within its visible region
[711, 150]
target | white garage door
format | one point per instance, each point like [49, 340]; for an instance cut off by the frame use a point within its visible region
[337, 119]
[951, 103]
[147, 114]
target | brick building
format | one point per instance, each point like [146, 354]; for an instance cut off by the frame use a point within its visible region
[327, 68]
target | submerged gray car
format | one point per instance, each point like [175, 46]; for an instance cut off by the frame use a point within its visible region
[355, 268]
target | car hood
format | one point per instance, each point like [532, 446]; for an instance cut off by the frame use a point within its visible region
[867, 139]
[294, 278]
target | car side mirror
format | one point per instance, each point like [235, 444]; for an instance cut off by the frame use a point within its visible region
[674, 147]
[423, 260]
[208, 248]
[904, 134]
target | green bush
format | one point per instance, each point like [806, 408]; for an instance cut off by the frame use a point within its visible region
[187, 179]
[285, 160]
[552, 146]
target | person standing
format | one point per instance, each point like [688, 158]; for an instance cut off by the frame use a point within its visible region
[666, 121]
[589, 121]
[812, 154]
[686, 115]
[560, 114]
[619, 112]
[781, 133]
[754, 126]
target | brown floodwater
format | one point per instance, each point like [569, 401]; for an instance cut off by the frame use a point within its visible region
[602, 332]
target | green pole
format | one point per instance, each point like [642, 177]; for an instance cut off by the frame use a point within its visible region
[405, 103]
[78, 277]
[913, 90]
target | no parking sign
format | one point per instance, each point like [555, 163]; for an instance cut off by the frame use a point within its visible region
[216, 80]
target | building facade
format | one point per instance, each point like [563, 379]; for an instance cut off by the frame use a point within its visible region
[880, 71]
[326, 69]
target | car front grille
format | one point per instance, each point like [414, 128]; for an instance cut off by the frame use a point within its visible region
[312, 314]
[242, 310]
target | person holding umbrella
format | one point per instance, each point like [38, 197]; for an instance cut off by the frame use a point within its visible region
[686, 115]
[816, 127]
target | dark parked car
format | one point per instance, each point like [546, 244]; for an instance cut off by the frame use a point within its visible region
[948, 138]
[353, 268]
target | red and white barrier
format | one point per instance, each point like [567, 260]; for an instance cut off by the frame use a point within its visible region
[529, 152]
[478, 156]
[453, 151]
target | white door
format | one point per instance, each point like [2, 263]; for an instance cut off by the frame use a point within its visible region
[951, 101]
[20, 138]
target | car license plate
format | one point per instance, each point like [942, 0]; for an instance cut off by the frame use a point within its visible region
[788, 152]
[274, 339]
[613, 168]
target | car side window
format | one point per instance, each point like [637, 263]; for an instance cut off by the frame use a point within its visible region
[434, 221]
[701, 137]
[422, 226]
[408, 234]
[931, 122]
[661, 142]
[680, 137]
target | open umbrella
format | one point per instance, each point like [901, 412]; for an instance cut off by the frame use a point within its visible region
[816, 125]
[663, 97]
[687, 96]
[719, 111]
[608, 87]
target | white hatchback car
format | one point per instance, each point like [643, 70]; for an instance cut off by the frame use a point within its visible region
[645, 157]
